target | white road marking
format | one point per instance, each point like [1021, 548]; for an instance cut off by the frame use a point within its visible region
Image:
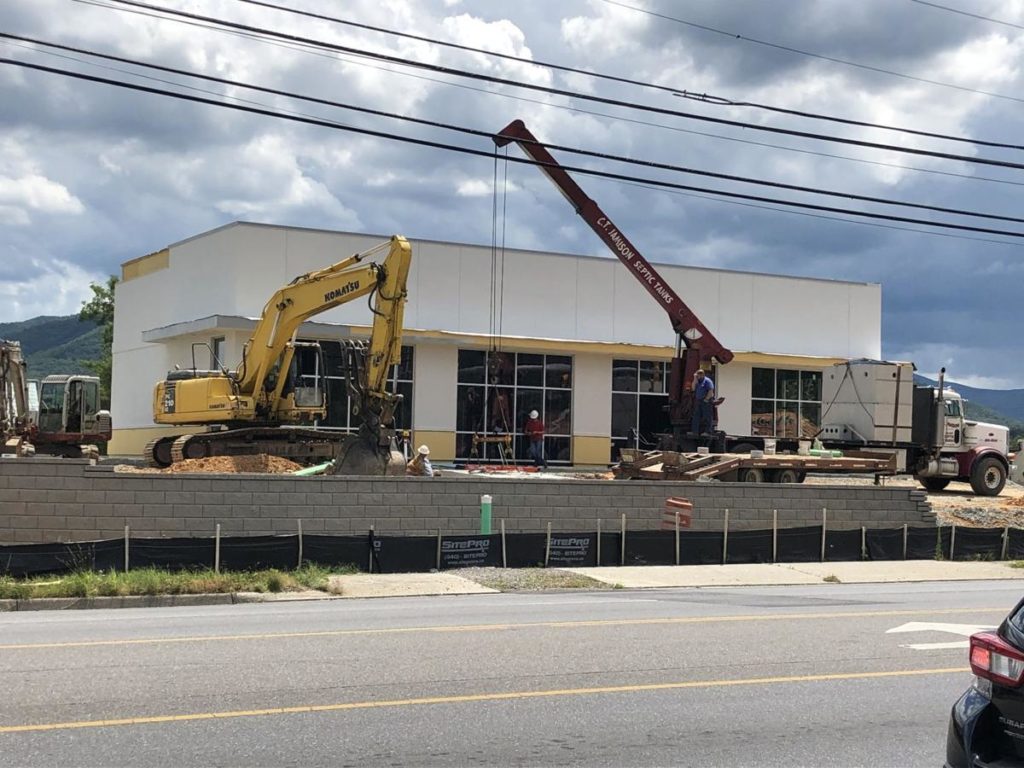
[965, 630]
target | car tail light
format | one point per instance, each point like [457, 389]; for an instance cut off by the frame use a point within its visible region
[994, 659]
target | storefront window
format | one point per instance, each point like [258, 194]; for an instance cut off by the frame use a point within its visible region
[785, 403]
[339, 405]
[497, 391]
[639, 400]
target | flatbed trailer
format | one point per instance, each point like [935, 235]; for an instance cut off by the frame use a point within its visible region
[734, 467]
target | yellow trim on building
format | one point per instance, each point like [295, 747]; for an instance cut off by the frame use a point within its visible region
[145, 265]
[588, 450]
[441, 444]
[130, 442]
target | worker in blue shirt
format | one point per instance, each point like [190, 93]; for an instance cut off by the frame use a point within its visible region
[703, 395]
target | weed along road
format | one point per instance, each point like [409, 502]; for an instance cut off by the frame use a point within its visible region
[833, 674]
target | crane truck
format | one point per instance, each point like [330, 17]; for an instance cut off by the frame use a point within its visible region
[263, 407]
[873, 407]
[59, 416]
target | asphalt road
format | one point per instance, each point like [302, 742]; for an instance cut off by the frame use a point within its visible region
[744, 676]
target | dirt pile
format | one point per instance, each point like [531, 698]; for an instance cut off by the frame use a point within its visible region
[225, 465]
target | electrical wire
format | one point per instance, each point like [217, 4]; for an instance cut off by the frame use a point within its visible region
[705, 98]
[485, 134]
[479, 153]
[563, 92]
[810, 54]
[968, 13]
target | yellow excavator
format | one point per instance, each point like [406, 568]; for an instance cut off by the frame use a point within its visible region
[263, 406]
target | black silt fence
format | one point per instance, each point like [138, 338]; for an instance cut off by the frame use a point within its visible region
[928, 543]
[799, 545]
[333, 551]
[843, 545]
[254, 553]
[402, 554]
[470, 551]
[176, 554]
[525, 550]
[885, 543]
[1015, 545]
[749, 547]
[700, 548]
[977, 543]
[651, 548]
[23, 560]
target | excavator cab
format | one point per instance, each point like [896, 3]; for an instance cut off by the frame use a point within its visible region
[69, 410]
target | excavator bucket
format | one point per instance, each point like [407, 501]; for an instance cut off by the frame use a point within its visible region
[360, 456]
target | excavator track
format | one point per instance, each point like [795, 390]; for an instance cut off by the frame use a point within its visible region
[295, 444]
[158, 452]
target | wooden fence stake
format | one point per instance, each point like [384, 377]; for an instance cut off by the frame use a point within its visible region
[824, 528]
[504, 557]
[127, 533]
[863, 542]
[952, 541]
[300, 544]
[439, 549]
[1006, 542]
[216, 550]
[775, 535]
[622, 552]
[547, 546]
[676, 517]
[904, 541]
[599, 541]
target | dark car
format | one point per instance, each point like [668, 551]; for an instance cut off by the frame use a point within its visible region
[986, 728]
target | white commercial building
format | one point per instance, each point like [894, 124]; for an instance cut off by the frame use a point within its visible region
[577, 337]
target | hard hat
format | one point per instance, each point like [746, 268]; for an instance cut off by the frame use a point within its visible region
[424, 450]
[534, 414]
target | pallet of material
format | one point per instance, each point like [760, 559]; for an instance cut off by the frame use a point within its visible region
[670, 465]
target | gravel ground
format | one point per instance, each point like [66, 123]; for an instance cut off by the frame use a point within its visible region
[528, 579]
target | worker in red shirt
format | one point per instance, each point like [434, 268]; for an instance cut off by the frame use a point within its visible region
[534, 429]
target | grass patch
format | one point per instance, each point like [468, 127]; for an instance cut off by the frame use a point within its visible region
[529, 579]
[153, 581]
[832, 579]
[1016, 564]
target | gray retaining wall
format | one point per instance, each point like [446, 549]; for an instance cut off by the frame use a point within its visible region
[71, 500]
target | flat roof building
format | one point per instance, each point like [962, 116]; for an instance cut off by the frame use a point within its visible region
[490, 336]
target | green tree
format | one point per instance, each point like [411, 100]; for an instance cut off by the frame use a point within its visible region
[100, 309]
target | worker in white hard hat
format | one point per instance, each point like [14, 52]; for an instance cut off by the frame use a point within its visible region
[419, 465]
[534, 431]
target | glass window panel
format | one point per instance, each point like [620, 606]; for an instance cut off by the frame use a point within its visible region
[558, 449]
[623, 414]
[530, 370]
[463, 446]
[787, 385]
[469, 411]
[810, 419]
[472, 366]
[558, 412]
[763, 383]
[528, 400]
[403, 414]
[652, 376]
[653, 418]
[499, 409]
[307, 361]
[787, 419]
[91, 402]
[501, 368]
[403, 370]
[558, 371]
[810, 385]
[618, 443]
[337, 404]
[624, 375]
[762, 418]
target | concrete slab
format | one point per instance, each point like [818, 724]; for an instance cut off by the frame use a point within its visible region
[405, 585]
[907, 570]
[649, 576]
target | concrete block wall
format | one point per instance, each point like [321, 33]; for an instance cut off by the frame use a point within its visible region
[71, 500]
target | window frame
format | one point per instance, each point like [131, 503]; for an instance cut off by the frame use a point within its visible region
[782, 403]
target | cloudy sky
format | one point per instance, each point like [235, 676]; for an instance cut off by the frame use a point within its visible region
[92, 175]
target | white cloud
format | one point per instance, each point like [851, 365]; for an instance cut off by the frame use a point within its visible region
[55, 288]
[36, 193]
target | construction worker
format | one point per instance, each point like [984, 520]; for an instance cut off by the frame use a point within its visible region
[419, 465]
[534, 430]
[703, 395]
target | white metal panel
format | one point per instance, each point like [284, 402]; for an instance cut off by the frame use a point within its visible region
[592, 395]
[434, 389]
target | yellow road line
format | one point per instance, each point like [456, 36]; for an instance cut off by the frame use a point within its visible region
[473, 697]
[1001, 610]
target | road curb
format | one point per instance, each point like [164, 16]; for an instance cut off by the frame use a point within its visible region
[126, 601]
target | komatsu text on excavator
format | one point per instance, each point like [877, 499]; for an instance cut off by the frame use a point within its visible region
[262, 406]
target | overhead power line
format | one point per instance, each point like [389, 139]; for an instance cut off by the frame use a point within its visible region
[968, 13]
[489, 155]
[811, 54]
[563, 92]
[488, 134]
[702, 97]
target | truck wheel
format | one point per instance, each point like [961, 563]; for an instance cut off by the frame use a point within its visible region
[786, 476]
[988, 476]
[934, 483]
[751, 475]
[742, 448]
